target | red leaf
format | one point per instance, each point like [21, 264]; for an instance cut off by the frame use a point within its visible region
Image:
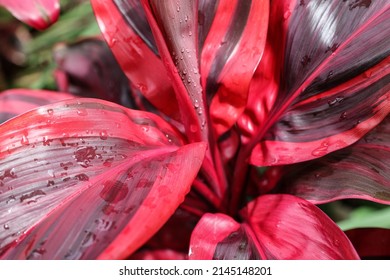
[371, 243]
[274, 227]
[140, 63]
[89, 179]
[174, 26]
[327, 98]
[211, 229]
[38, 13]
[359, 171]
[230, 54]
[17, 101]
[287, 227]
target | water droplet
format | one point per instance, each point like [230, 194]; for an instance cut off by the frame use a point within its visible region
[182, 50]
[24, 140]
[82, 112]
[82, 177]
[343, 116]
[178, 9]
[330, 74]
[184, 72]
[359, 3]
[33, 194]
[10, 199]
[66, 165]
[322, 150]
[190, 33]
[335, 101]
[196, 104]
[186, 18]
[114, 191]
[46, 141]
[51, 173]
[89, 239]
[50, 112]
[36, 254]
[50, 183]
[103, 225]
[103, 135]
[193, 128]
[287, 14]
[6, 226]
[305, 60]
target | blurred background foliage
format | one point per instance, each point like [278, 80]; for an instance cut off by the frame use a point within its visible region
[26, 61]
[26, 55]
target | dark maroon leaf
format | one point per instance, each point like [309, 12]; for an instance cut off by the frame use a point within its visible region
[371, 243]
[38, 13]
[89, 179]
[359, 171]
[90, 70]
[334, 84]
[17, 101]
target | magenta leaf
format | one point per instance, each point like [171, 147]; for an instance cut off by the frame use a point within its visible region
[371, 243]
[217, 236]
[288, 227]
[17, 101]
[89, 69]
[38, 13]
[232, 49]
[334, 83]
[273, 227]
[86, 179]
[359, 171]
[132, 50]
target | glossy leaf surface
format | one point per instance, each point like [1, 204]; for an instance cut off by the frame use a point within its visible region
[359, 171]
[17, 101]
[274, 227]
[89, 179]
[141, 64]
[327, 98]
[233, 46]
[38, 13]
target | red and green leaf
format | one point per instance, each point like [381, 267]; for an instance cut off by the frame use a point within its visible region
[359, 171]
[38, 13]
[17, 101]
[273, 227]
[89, 179]
[334, 84]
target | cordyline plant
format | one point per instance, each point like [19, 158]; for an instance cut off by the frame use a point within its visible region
[248, 114]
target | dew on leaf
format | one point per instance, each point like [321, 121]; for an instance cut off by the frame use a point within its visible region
[6, 226]
[24, 140]
[335, 101]
[82, 177]
[103, 135]
[82, 112]
[114, 191]
[32, 195]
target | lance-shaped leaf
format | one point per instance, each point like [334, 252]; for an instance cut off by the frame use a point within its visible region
[371, 243]
[88, 69]
[17, 101]
[273, 227]
[89, 179]
[124, 27]
[359, 171]
[38, 13]
[334, 84]
[231, 51]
